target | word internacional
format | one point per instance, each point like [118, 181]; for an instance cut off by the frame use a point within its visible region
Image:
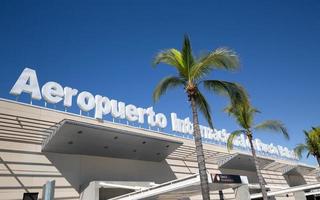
[54, 93]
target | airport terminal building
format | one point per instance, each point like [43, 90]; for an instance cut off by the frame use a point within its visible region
[108, 149]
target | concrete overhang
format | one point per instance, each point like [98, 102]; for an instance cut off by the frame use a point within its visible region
[244, 162]
[74, 137]
[306, 169]
[280, 166]
[300, 169]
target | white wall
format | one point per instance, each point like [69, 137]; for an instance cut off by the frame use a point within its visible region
[79, 170]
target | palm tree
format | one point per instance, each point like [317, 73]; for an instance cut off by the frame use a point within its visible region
[244, 115]
[191, 73]
[312, 144]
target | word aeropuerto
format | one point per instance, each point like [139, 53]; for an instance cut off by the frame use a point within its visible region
[52, 92]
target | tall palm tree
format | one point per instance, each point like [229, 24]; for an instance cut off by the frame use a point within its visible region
[191, 73]
[311, 145]
[244, 115]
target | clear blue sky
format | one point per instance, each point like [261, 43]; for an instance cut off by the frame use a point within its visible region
[106, 47]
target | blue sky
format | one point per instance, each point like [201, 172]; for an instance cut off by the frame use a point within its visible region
[106, 47]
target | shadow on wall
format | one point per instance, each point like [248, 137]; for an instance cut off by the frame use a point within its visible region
[79, 170]
[27, 171]
[294, 178]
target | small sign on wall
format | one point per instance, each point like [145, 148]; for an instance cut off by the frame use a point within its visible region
[30, 196]
[226, 178]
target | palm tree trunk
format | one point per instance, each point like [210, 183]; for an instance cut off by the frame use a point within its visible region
[199, 150]
[256, 162]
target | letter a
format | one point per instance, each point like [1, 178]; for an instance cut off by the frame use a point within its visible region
[28, 83]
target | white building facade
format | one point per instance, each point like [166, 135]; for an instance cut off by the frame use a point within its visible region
[39, 144]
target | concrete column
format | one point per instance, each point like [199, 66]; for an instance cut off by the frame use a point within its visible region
[91, 192]
[242, 192]
[299, 195]
[48, 190]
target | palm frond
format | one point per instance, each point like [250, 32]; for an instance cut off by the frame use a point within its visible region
[306, 134]
[228, 109]
[187, 56]
[173, 58]
[273, 125]
[204, 107]
[312, 143]
[239, 114]
[243, 113]
[221, 58]
[299, 149]
[236, 93]
[315, 129]
[231, 137]
[165, 84]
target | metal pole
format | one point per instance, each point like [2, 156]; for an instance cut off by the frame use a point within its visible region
[48, 190]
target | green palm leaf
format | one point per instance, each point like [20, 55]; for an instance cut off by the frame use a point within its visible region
[204, 108]
[316, 129]
[299, 149]
[313, 141]
[273, 125]
[238, 112]
[221, 58]
[306, 134]
[165, 84]
[173, 58]
[234, 91]
[187, 57]
[311, 145]
[231, 137]
[243, 113]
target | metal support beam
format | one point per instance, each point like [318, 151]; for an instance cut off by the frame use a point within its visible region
[48, 190]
